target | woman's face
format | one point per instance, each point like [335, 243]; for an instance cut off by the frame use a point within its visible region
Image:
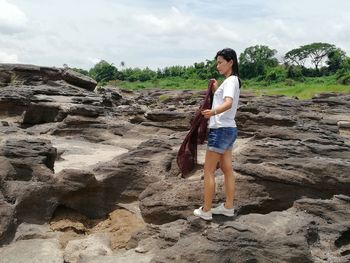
[224, 67]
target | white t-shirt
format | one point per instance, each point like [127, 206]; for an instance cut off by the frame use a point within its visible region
[229, 88]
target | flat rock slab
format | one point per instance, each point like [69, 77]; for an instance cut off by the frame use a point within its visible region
[32, 251]
[79, 154]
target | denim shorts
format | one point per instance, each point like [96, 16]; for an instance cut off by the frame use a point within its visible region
[221, 139]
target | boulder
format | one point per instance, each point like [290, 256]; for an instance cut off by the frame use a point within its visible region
[78, 79]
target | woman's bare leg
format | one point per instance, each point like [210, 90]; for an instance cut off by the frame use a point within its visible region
[226, 167]
[211, 159]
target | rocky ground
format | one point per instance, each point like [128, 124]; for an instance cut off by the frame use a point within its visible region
[90, 175]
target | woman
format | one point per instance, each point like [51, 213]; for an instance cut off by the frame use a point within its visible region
[222, 134]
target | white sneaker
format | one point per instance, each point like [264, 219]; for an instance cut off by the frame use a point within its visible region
[204, 215]
[222, 210]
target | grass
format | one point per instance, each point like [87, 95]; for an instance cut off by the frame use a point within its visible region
[163, 97]
[305, 89]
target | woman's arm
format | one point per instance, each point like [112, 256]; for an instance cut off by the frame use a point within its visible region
[219, 109]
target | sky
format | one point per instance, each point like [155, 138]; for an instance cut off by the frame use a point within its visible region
[156, 34]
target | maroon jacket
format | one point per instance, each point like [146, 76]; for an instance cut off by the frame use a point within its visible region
[187, 154]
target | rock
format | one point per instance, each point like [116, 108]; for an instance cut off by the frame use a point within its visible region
[4, 123]
[122, 178]
[71, 180]
[7, 222]
[310, 231]
[137, 119]
[171, 199]
[31, 74]
[82, 249]
[26, 74]
[172, 125]
[111, 97]
[125, 257]
[85, 110]
[41, 113]
[162, 116]
[331, 99]
[292, 156]
[343, 124]
[34, 190]
[30, 151]
[78, 79]
[14, 100]
[175, 198]
[32, 251]
[169, 119]
[43, 95]
[35, 202]
[32, 231]
[5, 77]
[7, 170]
[89, 128]
[27, 184]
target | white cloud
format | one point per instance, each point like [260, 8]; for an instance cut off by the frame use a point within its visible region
[162, 33]
[94, 60]
[8, 58]
[12, 19]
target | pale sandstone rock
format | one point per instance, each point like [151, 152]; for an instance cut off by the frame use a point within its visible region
[81, 249]
[32, 251]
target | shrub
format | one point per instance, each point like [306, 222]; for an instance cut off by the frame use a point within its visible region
[289, 82]
[276, 74]
[343, 73]
[345, 79]
[295, 72]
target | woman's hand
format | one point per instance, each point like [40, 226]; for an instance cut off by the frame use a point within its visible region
[207, 113]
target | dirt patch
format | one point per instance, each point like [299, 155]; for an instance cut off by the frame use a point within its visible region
[119, 225]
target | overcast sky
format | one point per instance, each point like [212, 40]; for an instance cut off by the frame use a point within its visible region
[162, 33]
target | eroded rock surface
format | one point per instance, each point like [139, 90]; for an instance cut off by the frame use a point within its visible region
[90, 175]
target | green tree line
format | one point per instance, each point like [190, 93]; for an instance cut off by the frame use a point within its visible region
[256, 62]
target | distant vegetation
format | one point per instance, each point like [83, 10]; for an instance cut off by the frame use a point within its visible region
[304, 71]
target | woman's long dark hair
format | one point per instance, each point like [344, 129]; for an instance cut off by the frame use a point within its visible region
[229, 54]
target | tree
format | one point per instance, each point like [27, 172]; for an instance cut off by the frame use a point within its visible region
[147, 74]
[103, 72]
[295, 56]
[335, 60]
[212, 72]
[255, 60]
[137, 74]
[200, 70]
[315, 52]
